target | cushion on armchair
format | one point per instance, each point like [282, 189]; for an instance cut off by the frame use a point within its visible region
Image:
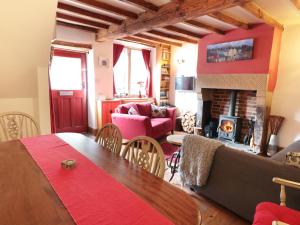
[144, 109]
[267, 212]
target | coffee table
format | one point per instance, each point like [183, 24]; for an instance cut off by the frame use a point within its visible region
[176, 139]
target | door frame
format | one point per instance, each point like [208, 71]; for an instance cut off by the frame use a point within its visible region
[72, 54]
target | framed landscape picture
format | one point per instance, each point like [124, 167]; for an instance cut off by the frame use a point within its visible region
[230, 51]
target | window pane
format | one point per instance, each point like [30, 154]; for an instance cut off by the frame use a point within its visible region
[121, 73]
[65, 73]
[138, 73]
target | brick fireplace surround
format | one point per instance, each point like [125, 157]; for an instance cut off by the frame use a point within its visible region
[251, 100]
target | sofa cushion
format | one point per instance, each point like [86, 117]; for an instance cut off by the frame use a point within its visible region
[293, 159]
[280, 156]
[160, 126]
[133, 111]
[124, 108]
[158, 112]
[144, 109]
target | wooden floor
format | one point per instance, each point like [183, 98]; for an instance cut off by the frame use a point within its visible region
[212, 213]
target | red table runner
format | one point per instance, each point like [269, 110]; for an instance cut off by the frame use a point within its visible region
[90, 195]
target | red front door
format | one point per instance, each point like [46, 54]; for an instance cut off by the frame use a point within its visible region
[68, 91]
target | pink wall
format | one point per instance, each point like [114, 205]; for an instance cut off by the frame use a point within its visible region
[263, 38]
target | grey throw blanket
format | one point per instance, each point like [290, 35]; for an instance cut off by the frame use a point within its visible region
[197, 158]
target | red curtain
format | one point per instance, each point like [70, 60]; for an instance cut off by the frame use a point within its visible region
[117, 50]
[146, 56]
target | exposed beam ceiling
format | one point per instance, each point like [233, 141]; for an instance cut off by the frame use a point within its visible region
[80, 27]
[261, 14]
[142, 4]
[139, 41]
[183, 31]
[204, 26]
[168, 14]
[172, 36]
[228, 19]
[109, 8]
[80, 20]
[296, 3]
[84, 12]
[159, 40]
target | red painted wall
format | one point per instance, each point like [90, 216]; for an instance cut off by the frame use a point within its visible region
[263, 39]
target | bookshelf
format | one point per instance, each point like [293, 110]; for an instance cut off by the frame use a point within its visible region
[165, 75]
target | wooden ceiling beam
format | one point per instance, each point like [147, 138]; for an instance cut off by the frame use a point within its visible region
[84, 12]
[172, 36]
[71, 44]
[159, 40]
[261, 14]
[139, 41]
[228, 19]
[296, 3]
[109, 8]
[198, 24]
[76, 26]
[80, 20]
[142, 4]
[183, 31]
[168, 14]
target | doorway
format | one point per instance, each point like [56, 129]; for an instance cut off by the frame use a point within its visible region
[68, 89]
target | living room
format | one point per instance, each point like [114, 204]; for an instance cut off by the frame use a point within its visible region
[219, 74]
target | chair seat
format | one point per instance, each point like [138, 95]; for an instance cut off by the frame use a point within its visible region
[267, 212]
[169, 149]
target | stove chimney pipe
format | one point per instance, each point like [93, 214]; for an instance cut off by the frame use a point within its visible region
[232, 103]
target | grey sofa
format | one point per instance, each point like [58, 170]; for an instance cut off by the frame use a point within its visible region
[239, 181]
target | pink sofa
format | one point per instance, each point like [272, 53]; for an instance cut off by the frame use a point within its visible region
[143, 124]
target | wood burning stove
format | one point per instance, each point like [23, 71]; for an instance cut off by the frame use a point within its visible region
[230, 125]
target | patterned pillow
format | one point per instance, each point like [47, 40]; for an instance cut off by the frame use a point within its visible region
[158, 112]
[293, 159]
[133, 111]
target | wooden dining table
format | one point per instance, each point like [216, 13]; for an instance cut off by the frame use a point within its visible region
[27, 198]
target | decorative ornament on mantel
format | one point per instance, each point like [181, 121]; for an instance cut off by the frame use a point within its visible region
[275, 123]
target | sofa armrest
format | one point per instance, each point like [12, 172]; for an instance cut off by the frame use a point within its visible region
[171, 113]
[239, 181]
[132, 125]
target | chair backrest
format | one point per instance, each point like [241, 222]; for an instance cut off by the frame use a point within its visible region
[15, 125]
[146, 153]
[110, 138]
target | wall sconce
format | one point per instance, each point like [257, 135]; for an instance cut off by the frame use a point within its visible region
[180, 61]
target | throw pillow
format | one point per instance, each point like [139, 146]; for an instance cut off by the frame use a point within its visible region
[133, 111]
[293, 159]
[158, 112]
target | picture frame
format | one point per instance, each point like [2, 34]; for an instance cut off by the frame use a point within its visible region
[230, 51]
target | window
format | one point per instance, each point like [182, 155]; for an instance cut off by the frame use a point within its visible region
[65, 73]
[130, 73]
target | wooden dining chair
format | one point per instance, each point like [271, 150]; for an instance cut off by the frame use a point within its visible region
[146, 153]
[110, 138]
[15, 125]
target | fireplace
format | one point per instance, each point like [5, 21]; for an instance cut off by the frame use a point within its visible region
[230, 125]
[233, 118]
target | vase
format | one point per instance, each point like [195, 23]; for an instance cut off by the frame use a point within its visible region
[273, 145]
